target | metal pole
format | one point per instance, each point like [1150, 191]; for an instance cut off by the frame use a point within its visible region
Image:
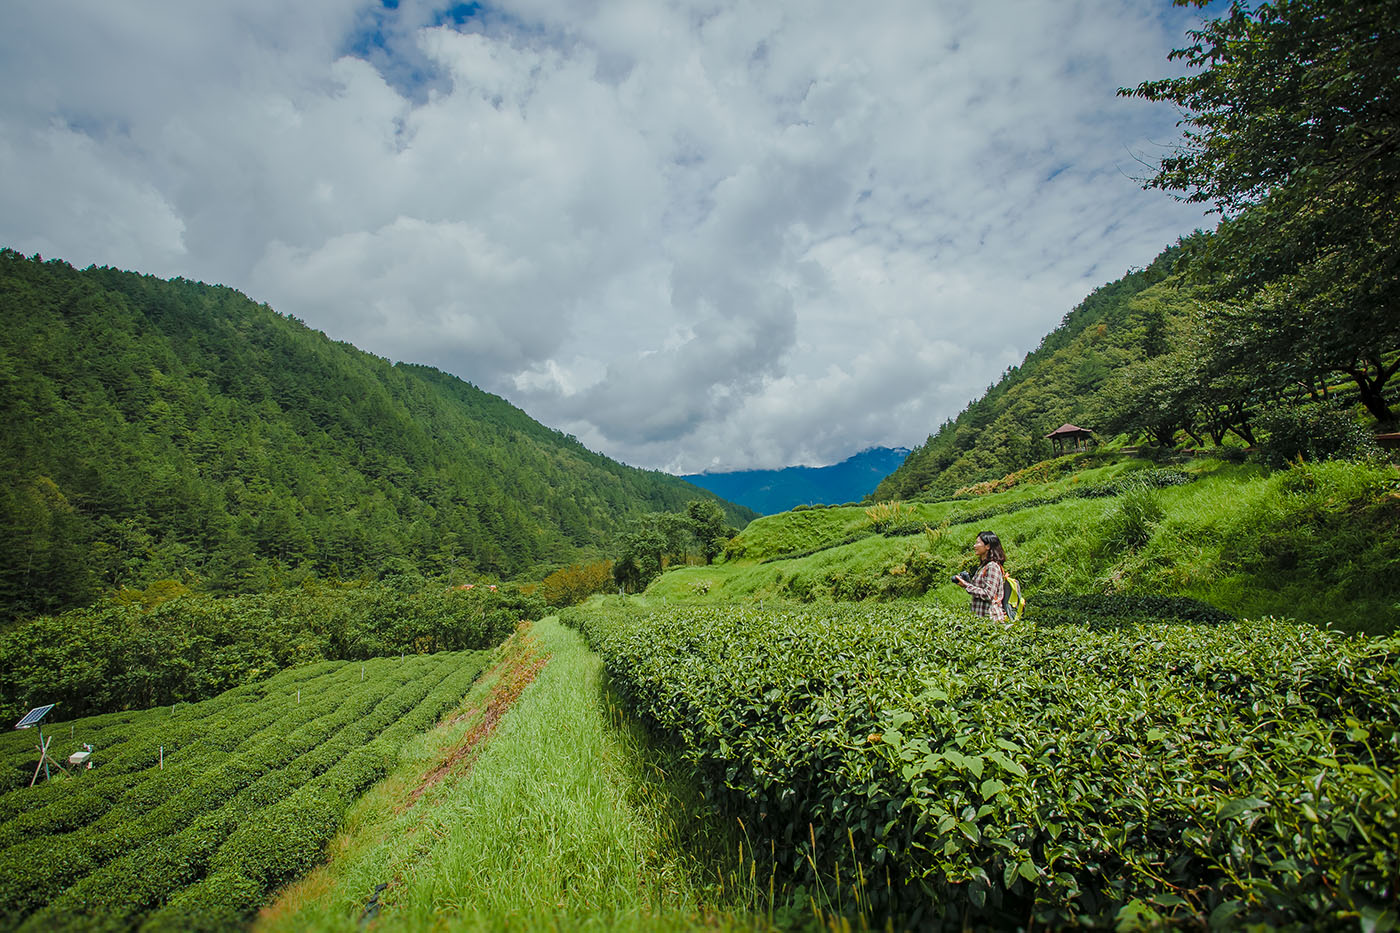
[41, 760]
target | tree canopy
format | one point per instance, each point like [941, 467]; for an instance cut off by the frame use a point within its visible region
[1291, 130]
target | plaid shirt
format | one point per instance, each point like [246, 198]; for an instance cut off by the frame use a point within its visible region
[988, 589]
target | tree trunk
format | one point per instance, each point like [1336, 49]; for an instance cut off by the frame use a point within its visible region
[1244, 432]
[1373, 387]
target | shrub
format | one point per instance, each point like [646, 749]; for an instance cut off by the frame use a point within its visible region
[981, 776]
[1130, 525]
[1312, 431]
[576, 582]
[884, 515]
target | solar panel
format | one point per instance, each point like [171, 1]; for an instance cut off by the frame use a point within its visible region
[33, 716]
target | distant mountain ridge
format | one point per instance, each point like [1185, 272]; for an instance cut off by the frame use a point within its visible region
[773, 491]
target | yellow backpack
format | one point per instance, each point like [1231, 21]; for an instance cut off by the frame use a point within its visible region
[1012, 599]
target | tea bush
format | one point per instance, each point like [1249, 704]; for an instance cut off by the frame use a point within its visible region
[205, 808]
[961, 774]
[1096, 610]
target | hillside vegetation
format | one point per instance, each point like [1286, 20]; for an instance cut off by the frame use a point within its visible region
[1318, 542]
[111, 657]
[156, 429]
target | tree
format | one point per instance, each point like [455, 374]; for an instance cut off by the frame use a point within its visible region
[639, 554]
[1292, 132]
[707, 523]
[1155, 397]
[575, 583]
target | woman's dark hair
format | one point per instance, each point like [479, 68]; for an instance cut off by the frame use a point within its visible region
[995, 552]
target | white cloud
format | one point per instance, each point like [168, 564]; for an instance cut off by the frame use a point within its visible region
[696, 235]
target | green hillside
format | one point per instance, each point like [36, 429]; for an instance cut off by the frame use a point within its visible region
[1119, 324]
[1100, 532]
[1155, 357]
[154, 429]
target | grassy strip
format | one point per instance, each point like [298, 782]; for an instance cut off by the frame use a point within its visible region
[556, 823]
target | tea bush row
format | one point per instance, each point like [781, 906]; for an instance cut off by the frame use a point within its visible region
[196, 782]
[170, 797]
[206, 729]
[114, 657]
[272, 733]
[245, 818]
[1111, 610]
[1153, 478]
[965, 774]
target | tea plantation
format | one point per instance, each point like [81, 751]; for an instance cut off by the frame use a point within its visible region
[934, 770]
[195, 812]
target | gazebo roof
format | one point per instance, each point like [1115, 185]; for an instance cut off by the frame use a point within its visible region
[1068, 429]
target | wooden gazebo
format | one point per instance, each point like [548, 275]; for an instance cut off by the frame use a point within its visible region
[1069, 436]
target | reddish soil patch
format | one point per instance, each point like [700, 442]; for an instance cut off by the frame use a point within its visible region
[514, 672]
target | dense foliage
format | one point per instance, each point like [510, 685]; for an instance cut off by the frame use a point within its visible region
[193, 814]
[156, 429]
[114, 657]
[1291, 128]
[648, 544]
[951, 773]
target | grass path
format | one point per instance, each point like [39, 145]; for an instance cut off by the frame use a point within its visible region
[563, 819]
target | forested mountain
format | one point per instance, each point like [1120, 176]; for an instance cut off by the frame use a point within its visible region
[1120, 324]
[154, 429]
[1155, 356]
[771, 491]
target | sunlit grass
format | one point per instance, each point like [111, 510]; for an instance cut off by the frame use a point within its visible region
[1315, 543]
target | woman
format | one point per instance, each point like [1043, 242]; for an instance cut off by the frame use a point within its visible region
[988, 587]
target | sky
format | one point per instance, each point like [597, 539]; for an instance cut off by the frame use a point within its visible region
[708, 235]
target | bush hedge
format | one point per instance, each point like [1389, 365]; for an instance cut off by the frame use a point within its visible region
[252, 786]
[962, 774]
